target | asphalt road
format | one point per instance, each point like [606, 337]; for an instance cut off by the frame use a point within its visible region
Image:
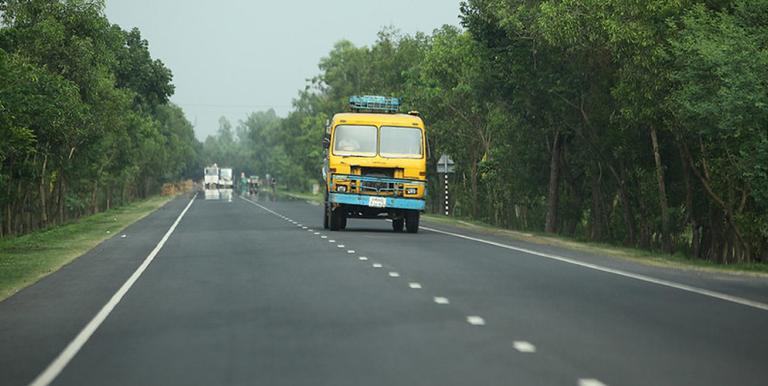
[246, 292]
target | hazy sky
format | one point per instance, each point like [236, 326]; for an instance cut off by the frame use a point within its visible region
[233, 57]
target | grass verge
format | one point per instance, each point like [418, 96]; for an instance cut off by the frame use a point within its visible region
[302, 196]
[679, 260]
[26, 259]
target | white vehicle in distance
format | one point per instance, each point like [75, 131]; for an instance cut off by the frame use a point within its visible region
[225, 178]
[211, 179]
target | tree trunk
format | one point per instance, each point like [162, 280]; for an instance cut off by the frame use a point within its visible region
[666, 243]
[473, 183]
[690, 215]
[553, 193]
[627, 208]
[62, 196]
[43, 193]
[597, 219]
[718, 201]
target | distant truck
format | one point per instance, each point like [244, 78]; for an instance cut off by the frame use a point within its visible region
[211, 180]
[375, 164]
[225, 178]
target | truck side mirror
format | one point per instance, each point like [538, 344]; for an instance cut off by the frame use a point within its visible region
[326, 142]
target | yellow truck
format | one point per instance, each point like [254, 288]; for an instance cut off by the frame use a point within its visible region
[375, 164]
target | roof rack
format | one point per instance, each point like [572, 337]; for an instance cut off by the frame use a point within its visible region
[374, 103]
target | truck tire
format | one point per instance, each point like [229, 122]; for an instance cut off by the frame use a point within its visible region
[398, 224]
[325, 217]
[337, 220]
[412, 221]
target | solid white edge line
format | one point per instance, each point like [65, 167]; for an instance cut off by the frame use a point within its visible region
[648, 279]
[61, 361]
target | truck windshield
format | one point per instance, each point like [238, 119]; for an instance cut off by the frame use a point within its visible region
[226, 173]
[355, 140]
[211, 172]
[400, 142]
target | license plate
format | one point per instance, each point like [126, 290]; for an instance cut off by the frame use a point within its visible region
[377, 202]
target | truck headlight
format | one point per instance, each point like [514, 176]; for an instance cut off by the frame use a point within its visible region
[341, 188]
[411, 191]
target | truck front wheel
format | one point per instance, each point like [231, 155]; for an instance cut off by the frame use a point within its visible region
[398, 224]
[337, 220]
[412, 221]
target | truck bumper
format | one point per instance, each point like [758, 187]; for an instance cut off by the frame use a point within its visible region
[363, 200]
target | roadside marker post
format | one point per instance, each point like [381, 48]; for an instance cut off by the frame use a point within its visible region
[445, 166]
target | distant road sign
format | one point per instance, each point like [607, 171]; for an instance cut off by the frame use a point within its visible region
[445, 164]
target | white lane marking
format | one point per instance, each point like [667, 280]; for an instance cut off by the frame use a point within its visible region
[317, 233]
[305, 228]
[377, 265]
[523, 346]
[340, 245]
[351, 251]
[590, 382]
[54, 369]
[331, 241]
[362, 258]
[647, 279]
[394, 274]
[441, 300]
[475, 320]
[414, 285]
[323, 237]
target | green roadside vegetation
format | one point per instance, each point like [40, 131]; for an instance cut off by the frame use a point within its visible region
[28, 258]
[637, 124]
[301, 195]
[678, 260]
[659, 259]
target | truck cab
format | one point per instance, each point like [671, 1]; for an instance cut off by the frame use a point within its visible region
[375, 164]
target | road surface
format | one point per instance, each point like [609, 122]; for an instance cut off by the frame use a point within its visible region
[234, 291]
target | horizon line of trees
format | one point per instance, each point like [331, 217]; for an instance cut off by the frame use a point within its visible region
[642, 124]
[85, 118]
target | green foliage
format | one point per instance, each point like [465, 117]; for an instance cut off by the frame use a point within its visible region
[641, 123]
[85, 122]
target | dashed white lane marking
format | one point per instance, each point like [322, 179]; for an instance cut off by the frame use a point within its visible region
[54, 369]
[351, 251]
[441, 300]
[323, 237]
[590, 382]
[475, 320]
[340, 245]
[331, 241]
[362, 258]
[377, 265]
[317, 233]
[394, 274]
[414, 285]
[647, 279]
[523, 346]
[303, 227]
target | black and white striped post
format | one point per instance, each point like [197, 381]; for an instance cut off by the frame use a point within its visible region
[446, 194]
[445, 166]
